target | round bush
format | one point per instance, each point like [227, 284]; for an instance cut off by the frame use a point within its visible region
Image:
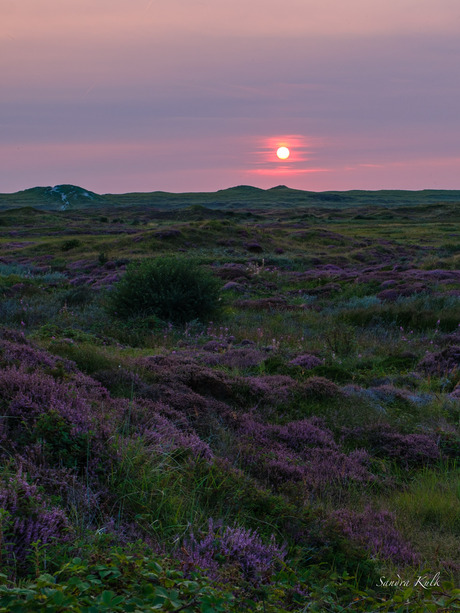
[171, 288]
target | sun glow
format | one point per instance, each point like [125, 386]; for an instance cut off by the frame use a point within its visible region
[283, 153]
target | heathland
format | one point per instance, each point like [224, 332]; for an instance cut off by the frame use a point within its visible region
[246, 400]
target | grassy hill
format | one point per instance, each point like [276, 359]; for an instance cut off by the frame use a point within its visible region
[65, 197]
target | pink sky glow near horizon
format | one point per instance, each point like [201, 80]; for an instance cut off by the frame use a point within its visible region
[146, 95]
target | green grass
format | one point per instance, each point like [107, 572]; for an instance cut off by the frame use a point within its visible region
[432, 500]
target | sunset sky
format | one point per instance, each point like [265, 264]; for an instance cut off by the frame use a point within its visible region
[197, 95]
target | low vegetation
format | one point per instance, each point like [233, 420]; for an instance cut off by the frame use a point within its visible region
[230, 408]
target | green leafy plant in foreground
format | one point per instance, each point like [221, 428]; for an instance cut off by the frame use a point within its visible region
[117, 583]
[122, 582]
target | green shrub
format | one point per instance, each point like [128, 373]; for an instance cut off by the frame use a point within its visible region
[102, 258]
[398, 362]
[59, 445]
[70, 244]
[334, 372]
[77, 296]
[172, 288]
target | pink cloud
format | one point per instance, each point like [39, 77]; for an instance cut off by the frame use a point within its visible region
[285, 171]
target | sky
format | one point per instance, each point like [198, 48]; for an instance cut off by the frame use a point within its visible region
[197, 95]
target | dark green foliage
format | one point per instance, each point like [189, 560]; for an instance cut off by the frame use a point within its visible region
[78, 296]
[399, 362]
[449, 444]
[59, 444]
[276, 365]
[70, 244]
[172, 288]
[117, 582]
[102, 258]
[334, 372]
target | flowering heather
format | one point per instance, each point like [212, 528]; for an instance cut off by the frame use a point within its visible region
[269, 304]
[81, 496]
[300, 451]
[173, 365]
[332, 466]
[179, 370]
[231, 272]
[164, 435]
[15, 336]
[455, 394]
[451, 276]
[170, 396]
[382, 440]
[240, 359]
[222, 550]
[81, 280]
[164, 423]
[106, 280]
[273, 389]
[81, 265]
[27, 395]
[27, 355]
[307, 361]
[278, 468]
[28, 519]
[233, 285]
[376, 532]
[181, 398]
[320, 387]
[215, 346]
[305, 433]
[62, 412]
[441, 363]
[319, 471]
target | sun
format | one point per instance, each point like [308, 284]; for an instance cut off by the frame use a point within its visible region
[283, 153]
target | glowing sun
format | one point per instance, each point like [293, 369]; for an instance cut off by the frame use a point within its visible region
[283, 153]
